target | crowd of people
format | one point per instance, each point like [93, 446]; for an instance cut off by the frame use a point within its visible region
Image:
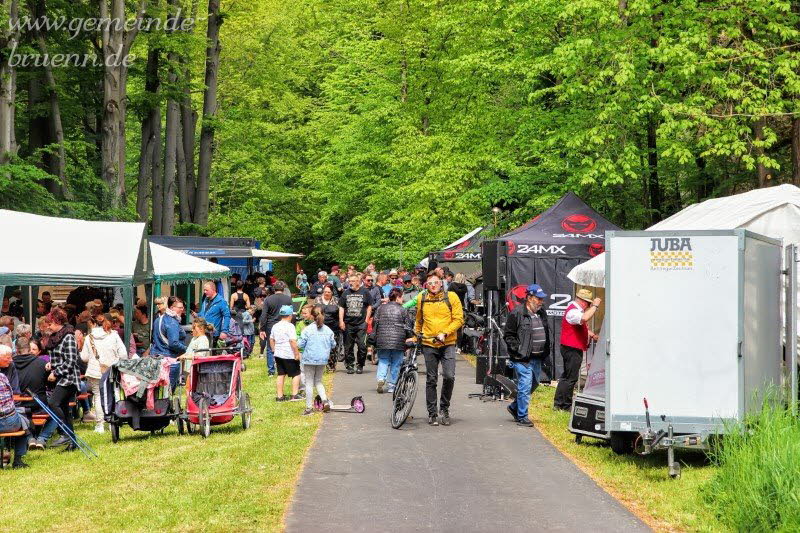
[373, 315]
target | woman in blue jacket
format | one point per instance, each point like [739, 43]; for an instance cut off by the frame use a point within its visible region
[169, 339]
[316, 341]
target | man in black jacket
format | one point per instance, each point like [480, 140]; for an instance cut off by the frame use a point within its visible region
[270, 316]
[528, 339]
[33, 372]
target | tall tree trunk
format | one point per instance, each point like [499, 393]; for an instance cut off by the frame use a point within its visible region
[188, 125]
[209, 113]
[158, 179]
[183, 193]
[116, 46]
[762, 173]
[796, 151]
[170, 160]
[151, 86]
[60, 161]
[705, 181]
[8, 84]
[652, 168]
[39, 130]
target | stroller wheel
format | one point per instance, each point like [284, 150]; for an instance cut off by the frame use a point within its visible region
[244, 407]
[204, 418]
[114, 432]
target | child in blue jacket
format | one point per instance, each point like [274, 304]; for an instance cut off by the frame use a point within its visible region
[316, 341]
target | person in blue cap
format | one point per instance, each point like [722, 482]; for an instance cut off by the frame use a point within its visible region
[283, 341]
[527, 337]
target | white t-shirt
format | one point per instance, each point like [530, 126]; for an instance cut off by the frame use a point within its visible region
[283, 332]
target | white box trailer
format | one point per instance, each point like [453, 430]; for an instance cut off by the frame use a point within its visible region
[694, 326]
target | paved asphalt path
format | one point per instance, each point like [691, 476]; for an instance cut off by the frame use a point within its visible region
[482, 473]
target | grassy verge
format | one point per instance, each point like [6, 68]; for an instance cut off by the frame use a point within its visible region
[235, 480]
[640, 483]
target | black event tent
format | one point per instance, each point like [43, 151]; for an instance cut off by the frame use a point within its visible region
[543, 251]
[464, 255]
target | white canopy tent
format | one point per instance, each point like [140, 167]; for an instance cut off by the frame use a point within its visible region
[44, 250]
[774, 212]
[268, 254]
[63, 251]
[173, 266]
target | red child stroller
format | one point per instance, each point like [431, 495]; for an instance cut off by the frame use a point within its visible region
[214, 393]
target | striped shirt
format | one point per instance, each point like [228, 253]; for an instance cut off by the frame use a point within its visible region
[538, 336]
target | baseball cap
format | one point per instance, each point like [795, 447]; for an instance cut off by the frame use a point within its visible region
[536, 290]
[286, 310]
[407, 277]
[584, 294]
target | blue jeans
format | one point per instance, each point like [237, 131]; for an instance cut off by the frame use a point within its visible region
[48, 429]
[389, 363]
[527, 380]
[270, 359]
[14, 423]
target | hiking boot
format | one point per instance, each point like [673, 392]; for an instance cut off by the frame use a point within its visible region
[60, 442]
[18, 464]
[433, 421]
[445, 417]
[512, 412]
[70, 448]
[526, 422]
[350, 370]
[381, 385]
[360, 370]
[308, 412]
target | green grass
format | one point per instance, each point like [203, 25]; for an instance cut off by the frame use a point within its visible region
[233, 481]
[757, 487]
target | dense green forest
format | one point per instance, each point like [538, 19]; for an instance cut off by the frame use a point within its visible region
[349, 129]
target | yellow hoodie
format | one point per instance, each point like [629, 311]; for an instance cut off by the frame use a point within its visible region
[434, 317]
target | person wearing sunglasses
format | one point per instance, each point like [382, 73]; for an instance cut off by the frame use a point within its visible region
[439, 317]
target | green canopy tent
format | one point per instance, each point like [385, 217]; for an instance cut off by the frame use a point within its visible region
[171, 266]
[63, 251]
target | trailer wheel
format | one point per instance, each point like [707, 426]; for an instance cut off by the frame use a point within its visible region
[114, 432]
[621, 443]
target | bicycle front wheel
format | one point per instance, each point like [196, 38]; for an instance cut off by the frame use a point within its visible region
[406, 393]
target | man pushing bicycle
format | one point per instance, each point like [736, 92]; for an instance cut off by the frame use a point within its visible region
[439, 317]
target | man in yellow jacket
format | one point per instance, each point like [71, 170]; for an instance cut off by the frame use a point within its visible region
[439, 317]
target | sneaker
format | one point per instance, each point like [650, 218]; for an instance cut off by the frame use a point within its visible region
[525, 422]
[360, 370]
[296, 398]
[39, 444]
[445, 417]
[381, 385]
[433, 421]
[31, 444]
[308, 412]
[280, 398]
[18, 464]
[89, 417]
[98, 428]
[71, 447]
[390, 389]
[512, 412]
[327, 406]
[351, 371]
[60, 442]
